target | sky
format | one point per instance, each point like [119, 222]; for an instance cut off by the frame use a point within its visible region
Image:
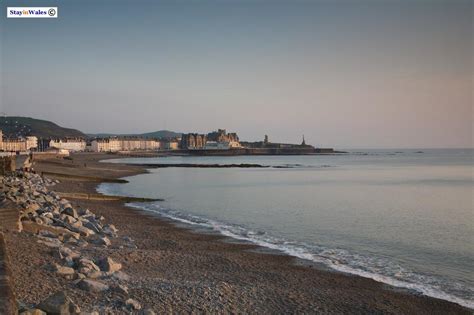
[345, 73]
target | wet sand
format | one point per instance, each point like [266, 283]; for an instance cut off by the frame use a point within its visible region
[176, 269]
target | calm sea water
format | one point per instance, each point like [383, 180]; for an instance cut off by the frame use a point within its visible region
[403, 217]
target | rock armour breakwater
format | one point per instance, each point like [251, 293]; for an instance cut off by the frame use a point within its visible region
[76, 237]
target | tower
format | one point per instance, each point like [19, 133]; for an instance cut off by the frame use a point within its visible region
[303, 143]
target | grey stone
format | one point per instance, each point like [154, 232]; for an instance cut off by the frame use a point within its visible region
[92, 226]
[109, 265]
[59, 303]
[121, 289]
[83, 231]
[70, 211]
[133, 304]
[92, 285]
[99, 240]
[65, 271]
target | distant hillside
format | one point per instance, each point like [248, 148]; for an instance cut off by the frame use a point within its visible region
[13, 126]
[161, 134]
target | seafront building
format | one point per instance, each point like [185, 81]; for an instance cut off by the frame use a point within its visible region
[16, 144]
[170, 145]
[31, 143]
[219, 139]
[70, 144]
[124, 144]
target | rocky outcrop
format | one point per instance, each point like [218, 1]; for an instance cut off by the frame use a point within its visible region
[70, 233]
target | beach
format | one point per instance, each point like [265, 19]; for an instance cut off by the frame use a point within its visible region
[176, 269]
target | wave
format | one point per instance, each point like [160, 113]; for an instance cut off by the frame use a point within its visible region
[378, 269]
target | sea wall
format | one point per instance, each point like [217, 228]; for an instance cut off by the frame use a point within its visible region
[262, 151]
[47, 156]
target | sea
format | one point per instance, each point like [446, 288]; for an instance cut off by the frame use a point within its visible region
[402, 217]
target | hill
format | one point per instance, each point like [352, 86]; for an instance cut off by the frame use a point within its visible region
[160, 134]
[14, 126]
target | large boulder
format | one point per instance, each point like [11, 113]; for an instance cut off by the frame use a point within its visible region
[100, 240]
[108, 265]
[87, 264]
[89, 269]
[70, 211]
[92, 226]
[67, 272]
[83, 231]
[110, 230]
[59, 304]
[33, 227]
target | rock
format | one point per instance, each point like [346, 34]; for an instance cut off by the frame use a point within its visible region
[21, 307]
[84, 231]
[76, 224]
[50, 244]
[64, 271]
[89, 268]
[121, 276]
[127, 239]
[32, 208]
[48, 215]
[69, 219]
[147, 311]
[94, 274]
[35, 311]
[110, 266]
[99, 240]
[59, 303]
[46, 221]
[85, 263]
[70, 211]
[133, 304]
[65, 252]
[92, 226]
[35, 228]
[83, 212]
[110, 230]
[92, 285]
[46, 233]
[121, 289]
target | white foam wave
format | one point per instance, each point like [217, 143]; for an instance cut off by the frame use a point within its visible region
[337, 259]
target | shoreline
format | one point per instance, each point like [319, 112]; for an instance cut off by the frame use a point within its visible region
[246, 279]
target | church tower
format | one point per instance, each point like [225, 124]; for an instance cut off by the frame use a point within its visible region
[303, 143]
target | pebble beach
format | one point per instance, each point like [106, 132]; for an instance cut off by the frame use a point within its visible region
[98, 256]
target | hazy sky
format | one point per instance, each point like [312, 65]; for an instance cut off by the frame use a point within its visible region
[344, 73]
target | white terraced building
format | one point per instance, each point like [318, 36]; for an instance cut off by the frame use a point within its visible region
[70, 144]
[124, 144]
